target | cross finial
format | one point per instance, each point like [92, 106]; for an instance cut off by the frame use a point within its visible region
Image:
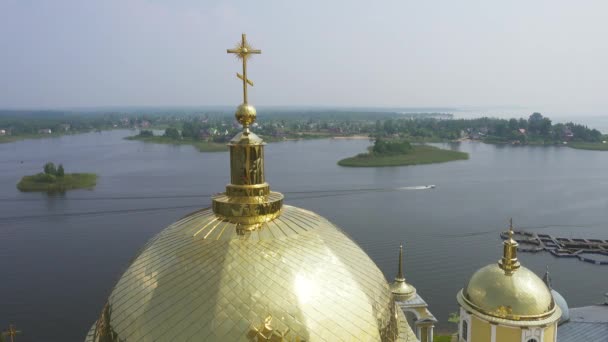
[547, 277]
[243, 52]
[509, 262]
[400, 267]
[11, 332]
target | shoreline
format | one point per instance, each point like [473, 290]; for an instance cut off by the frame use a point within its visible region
[351, 137]
[587, 146]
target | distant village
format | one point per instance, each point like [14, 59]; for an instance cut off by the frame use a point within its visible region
[273, 126]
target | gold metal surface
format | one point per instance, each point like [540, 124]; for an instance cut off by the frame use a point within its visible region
[245, 114]
[509, 262]
[12, 332]
[243, 51]
[521, 295]
[202, 279]
[540, 321]
[507, 290]
[249, 209]
[400, 288]
[246, 164]
[251, 269]
[248, 200]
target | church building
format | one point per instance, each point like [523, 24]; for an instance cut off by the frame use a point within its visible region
[251, 268]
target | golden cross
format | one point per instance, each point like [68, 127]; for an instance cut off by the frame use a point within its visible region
[243, 51]
[11, 332]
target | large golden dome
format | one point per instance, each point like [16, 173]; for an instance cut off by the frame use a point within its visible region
[251, 269]
[205, 279]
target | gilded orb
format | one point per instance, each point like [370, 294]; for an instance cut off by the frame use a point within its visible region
[245, 114]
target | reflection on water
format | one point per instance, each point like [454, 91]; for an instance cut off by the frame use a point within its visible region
[61, 254]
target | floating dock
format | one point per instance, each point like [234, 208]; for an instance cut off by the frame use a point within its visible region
[594, 251]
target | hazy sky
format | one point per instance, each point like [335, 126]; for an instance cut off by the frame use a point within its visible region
[537, 54]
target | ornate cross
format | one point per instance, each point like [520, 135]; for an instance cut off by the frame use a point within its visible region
[11, 332]
[243, 51]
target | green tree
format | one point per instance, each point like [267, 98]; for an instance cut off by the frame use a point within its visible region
[501, 129]
[513, 125]
[172, 133]
[60, 171]
[454, 317]
[146, 133]
[522, 123]
[378, 128]
[391, 147]
[535, 122]
[49, 169]
[545, 127]
[191, 130]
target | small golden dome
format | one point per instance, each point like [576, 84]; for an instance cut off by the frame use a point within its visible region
[245, 114]
[402, 290]
[519, 296]
[507, 290]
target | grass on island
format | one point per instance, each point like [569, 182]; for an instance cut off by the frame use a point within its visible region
[589, 146]
[8, 138]
[296, 136]
[13, 138]
[442, 338]
[202, 146]
[52, 183]
[420, 154]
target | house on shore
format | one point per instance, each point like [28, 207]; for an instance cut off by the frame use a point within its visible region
[45, 131]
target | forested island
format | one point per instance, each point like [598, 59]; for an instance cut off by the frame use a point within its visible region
[54, 179]
[401, 153]
[174, 137]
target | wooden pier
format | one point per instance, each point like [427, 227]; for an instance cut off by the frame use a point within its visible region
[583, 249]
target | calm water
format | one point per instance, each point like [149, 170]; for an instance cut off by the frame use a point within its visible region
[61, 255]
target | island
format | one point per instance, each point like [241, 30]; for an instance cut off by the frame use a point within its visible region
[593, 146]
[400, 153]
[173, 137]
[54, 179]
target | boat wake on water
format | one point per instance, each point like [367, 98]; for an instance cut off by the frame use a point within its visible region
[420, 187]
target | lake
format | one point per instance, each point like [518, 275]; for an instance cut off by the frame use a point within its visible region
[61, 255]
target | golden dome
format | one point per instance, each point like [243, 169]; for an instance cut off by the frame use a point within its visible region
[207, 279]
[506, 290]
[251, 269]
[521, 295]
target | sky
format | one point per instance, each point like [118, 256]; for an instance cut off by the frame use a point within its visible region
[537, 55]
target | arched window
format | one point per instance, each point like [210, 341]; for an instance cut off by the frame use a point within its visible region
[465, 330]
[532, 340]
